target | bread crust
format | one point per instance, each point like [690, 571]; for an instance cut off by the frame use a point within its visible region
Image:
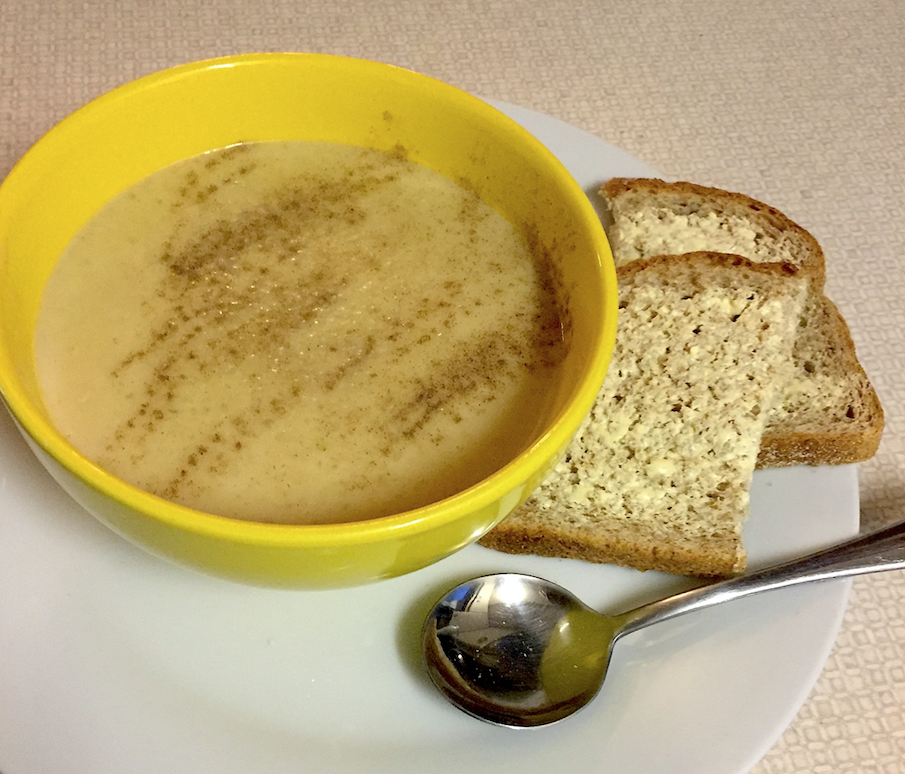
[831, 447]
[714, 558]
[702, 263]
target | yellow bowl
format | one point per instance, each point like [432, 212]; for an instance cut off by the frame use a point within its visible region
[143, 126]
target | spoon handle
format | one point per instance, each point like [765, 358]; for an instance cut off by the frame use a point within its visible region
[876, 552]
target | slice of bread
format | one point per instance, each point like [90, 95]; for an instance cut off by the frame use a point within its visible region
[658, 476]
[652, 217]
[830, 413]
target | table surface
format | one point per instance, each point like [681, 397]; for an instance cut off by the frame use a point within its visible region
[800, 105]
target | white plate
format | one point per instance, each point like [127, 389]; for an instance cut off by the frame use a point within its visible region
[112, 661]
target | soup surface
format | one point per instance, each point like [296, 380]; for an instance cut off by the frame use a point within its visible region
[299, 333]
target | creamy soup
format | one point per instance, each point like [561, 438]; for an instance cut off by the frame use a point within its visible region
[299, 333]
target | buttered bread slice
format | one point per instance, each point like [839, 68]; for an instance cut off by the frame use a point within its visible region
[658, 477]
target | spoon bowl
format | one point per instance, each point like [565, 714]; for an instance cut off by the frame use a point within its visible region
[516, 650]
[520, 651]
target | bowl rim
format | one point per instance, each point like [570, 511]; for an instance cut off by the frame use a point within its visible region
[496, 486]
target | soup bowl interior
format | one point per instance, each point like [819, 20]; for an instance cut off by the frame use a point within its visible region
[151, 123]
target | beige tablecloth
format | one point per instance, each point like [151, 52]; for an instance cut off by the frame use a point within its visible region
[799, 104]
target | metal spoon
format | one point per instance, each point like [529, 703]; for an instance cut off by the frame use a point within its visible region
[520, 651]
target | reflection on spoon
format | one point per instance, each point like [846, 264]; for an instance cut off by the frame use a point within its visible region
[520, 651]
